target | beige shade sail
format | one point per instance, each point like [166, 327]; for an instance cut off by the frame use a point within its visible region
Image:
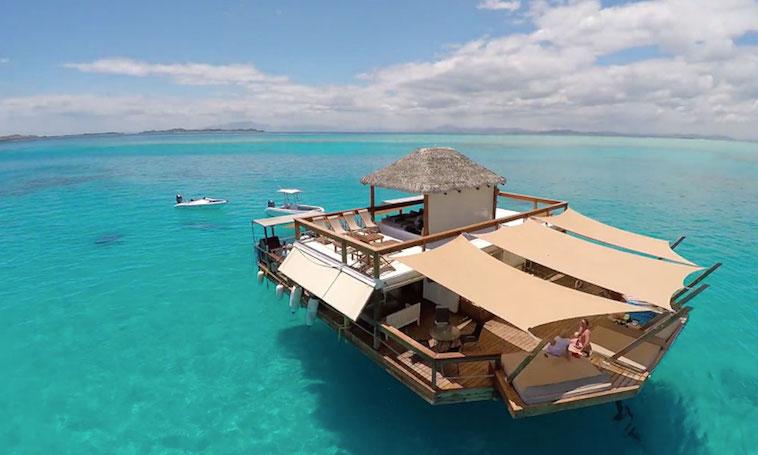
[342, 290]
[573, 221]
[643, 278]
[521, 299]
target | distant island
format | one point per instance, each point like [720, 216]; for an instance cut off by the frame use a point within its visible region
[446, 129]
[34, 137]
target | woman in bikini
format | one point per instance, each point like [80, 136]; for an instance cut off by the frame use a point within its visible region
[580, 344]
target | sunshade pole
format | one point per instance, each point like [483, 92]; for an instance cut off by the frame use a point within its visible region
[677, 242]
[692, 294]
[526, 361]
[703, 275]
[650, 332]
[697, 280]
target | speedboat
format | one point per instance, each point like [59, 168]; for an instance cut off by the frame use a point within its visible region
[202, 202]
[291, 205]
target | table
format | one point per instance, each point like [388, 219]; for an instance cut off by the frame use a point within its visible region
[367, 237]
[446, 337]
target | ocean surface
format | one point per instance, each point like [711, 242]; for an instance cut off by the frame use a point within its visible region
[128, 326]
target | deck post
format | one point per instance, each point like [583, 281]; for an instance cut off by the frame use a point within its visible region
[434, 373]
[425, 231]
[378, 304]
[297, 230]
[647, 334]
[343, 247]
[372, 203]
[676, 242]
[526, 361]
[494, 201]
[376, 259]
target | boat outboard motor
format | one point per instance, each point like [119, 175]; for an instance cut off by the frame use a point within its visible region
[179, 198]
[271, 203]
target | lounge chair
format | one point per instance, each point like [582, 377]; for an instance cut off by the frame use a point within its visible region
[349, 218]
[368, 223]
[547, 379]
[321, 222]
[336, 224]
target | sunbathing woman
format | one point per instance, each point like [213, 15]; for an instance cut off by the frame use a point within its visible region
[580, 344]
[558, 347]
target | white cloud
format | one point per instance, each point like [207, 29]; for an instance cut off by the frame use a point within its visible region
[182, 73]
[4, 60]
[496, 5]
[549, 78]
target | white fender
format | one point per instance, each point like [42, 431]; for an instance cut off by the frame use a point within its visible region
[261, 275]
[279, 291]
[310, 315]
[295, 295]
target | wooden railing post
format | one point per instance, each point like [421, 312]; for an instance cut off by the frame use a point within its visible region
[372, 205]
[343, 247]
[377, 265]
[434, 373]
[378, 303]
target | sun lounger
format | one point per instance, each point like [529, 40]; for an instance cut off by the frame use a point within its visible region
[321, 222]
[548, 379]
[336, 224]
[368, 223]
[607, 342]
[349, 218]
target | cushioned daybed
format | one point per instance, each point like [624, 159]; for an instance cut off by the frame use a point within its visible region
[552, 378]
[606, 342]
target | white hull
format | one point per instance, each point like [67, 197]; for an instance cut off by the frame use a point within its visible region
[204, 202]
[280, 211]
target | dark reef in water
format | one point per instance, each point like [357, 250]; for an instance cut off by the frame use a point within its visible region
[108, 239]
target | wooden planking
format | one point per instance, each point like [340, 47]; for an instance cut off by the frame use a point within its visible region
[425, 371]
[511, 334]
[479, 383]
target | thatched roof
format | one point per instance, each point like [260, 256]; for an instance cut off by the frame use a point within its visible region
[432, 170]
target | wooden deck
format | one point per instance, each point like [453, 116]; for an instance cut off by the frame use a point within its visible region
[499, 336]
[459, 380]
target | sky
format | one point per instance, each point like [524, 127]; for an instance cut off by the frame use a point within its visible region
[642, 67]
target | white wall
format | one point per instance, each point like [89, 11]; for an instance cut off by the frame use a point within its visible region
[440, 295]
[453, 209]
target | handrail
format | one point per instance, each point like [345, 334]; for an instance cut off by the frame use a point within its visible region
[345, 240]
[471, 227]
[428, 354]
[528, 198]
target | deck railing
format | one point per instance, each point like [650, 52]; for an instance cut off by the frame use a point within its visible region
[376, 251]
[437, 360]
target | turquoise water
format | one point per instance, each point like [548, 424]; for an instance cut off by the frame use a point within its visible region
[128, 326]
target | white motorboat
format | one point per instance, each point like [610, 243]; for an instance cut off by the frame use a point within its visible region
[202, 202]
[291, 205]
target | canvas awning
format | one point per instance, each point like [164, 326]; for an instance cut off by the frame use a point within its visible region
[573, 221]
[344, 291]
[644, 278]
[284, 219]
[521, 299]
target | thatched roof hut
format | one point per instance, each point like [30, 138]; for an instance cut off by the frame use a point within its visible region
[432, 170]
